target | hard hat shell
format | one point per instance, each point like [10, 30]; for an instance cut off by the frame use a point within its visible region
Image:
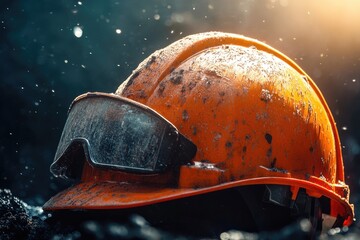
[255, 116]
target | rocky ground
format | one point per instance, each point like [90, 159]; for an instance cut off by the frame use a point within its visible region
[19, 220]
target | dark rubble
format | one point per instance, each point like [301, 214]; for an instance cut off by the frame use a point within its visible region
[21, 221]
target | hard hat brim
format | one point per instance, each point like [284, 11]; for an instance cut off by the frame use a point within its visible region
[113, 195]
[98, 195]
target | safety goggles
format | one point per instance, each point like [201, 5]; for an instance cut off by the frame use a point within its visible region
[118, 133]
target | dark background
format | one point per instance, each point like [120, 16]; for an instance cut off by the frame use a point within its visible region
[44, 66]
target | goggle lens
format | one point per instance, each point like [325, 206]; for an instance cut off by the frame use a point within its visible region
[121, 134]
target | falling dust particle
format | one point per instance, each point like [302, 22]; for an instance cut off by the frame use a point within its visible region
[78, 32]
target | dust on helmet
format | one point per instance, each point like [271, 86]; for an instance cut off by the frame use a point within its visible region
[255, 117]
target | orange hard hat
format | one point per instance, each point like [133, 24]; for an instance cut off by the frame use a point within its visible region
[254, 115]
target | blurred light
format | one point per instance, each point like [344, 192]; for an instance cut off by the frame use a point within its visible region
[178, 18]
[224, 236]
[138, 220]
[305, 225]
[334, 231]
[118, 31]
[78, 32]
[156, 16]
[233, 235]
